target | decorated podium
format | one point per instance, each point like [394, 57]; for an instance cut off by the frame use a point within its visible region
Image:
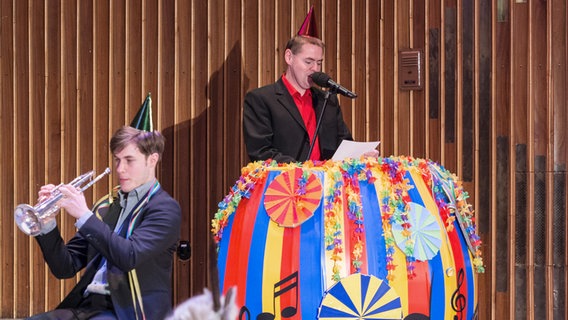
[386, 238]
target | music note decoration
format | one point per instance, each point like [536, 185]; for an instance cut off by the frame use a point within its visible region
[282, 287]
[459, 300]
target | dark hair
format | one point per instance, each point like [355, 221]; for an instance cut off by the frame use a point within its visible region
[296, 43]
[147, 142]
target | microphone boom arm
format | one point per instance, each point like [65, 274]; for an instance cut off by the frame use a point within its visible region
[326, 98]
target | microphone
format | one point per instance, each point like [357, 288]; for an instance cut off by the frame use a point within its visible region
[325, 81]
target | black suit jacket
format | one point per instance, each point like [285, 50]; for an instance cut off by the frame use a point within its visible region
[149, 250]
[273, 126]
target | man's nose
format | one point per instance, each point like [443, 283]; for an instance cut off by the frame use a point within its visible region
[119, 167]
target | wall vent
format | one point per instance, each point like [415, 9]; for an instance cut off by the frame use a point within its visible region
[410, 70]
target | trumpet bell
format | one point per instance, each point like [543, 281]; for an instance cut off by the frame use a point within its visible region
[26, 219]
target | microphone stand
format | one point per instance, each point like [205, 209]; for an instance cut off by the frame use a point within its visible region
[327, 94]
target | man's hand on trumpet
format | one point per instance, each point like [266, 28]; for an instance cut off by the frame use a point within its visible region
[73, 201]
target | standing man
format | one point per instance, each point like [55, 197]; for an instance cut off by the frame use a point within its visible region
[127, 250]
[279, 120]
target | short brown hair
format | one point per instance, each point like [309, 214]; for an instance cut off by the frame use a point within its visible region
[296, 43]
[147, 142]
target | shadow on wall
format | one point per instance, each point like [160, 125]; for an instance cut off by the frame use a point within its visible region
[203, 159]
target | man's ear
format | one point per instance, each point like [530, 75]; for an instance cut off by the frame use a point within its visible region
[288, 56]
[153, 158]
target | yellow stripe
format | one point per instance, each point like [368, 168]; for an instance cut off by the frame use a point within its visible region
[272, 265]
[400, 282]
[136, 293]
[445, 250]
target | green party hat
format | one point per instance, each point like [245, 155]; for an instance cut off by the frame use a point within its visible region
[143, 119]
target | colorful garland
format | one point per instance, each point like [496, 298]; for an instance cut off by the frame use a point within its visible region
[394, 199]
[250, 175]
[333, 220]
[389, 173]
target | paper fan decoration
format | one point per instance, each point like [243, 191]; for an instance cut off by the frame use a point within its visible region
[360, 296]
[425, 233]
[292, 197]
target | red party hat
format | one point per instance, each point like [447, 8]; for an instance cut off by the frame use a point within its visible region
[309, 27]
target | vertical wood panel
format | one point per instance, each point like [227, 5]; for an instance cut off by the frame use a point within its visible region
[359, 69]
[134, 57]
[418, 98]
[483, 134]
[233, 95]
[69, 110]
[266, 73]
[434, 80]
[216, 109]
[402, 108]
[558, 117]
[199, 148]
[449, 86]
[501, 127]
[539, 113]
[344, 60]
[164, 103]
[118, 66]
[523, 161]
[372, 92]
[388, 133]
[22, 159]
[53, 121]
[101, 94]
[467, 91]
[37, 130]
[150, 48]
[182, 139]
[7, 188]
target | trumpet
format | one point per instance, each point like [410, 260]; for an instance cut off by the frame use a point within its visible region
[32, 219]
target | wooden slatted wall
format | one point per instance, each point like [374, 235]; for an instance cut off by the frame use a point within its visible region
[492, 110]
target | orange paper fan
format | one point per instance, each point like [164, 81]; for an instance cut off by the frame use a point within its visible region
[287, 202]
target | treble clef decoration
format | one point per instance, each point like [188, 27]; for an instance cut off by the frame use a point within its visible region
[458, 298]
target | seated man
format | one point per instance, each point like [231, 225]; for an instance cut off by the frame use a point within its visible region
[127, 251]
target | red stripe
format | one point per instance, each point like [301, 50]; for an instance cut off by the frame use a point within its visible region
[239, 246]
[290, 264]
[419, 289]
[459, 264]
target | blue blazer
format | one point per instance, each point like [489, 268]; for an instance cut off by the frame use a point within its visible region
[149, 250]
[273, 126]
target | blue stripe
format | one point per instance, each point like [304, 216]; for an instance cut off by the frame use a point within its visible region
[438, 292]
[413, 193]
[256, 265]
[312, 260]
[374, 237]
[340, 293]
[224, 251]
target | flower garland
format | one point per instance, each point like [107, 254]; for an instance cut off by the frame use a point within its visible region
[451, 200]
[394, 201]
[333, 220]
[351, 171]
[250, 175]
[393, 197]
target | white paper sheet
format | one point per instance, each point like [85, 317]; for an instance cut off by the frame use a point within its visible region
[353, 149]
